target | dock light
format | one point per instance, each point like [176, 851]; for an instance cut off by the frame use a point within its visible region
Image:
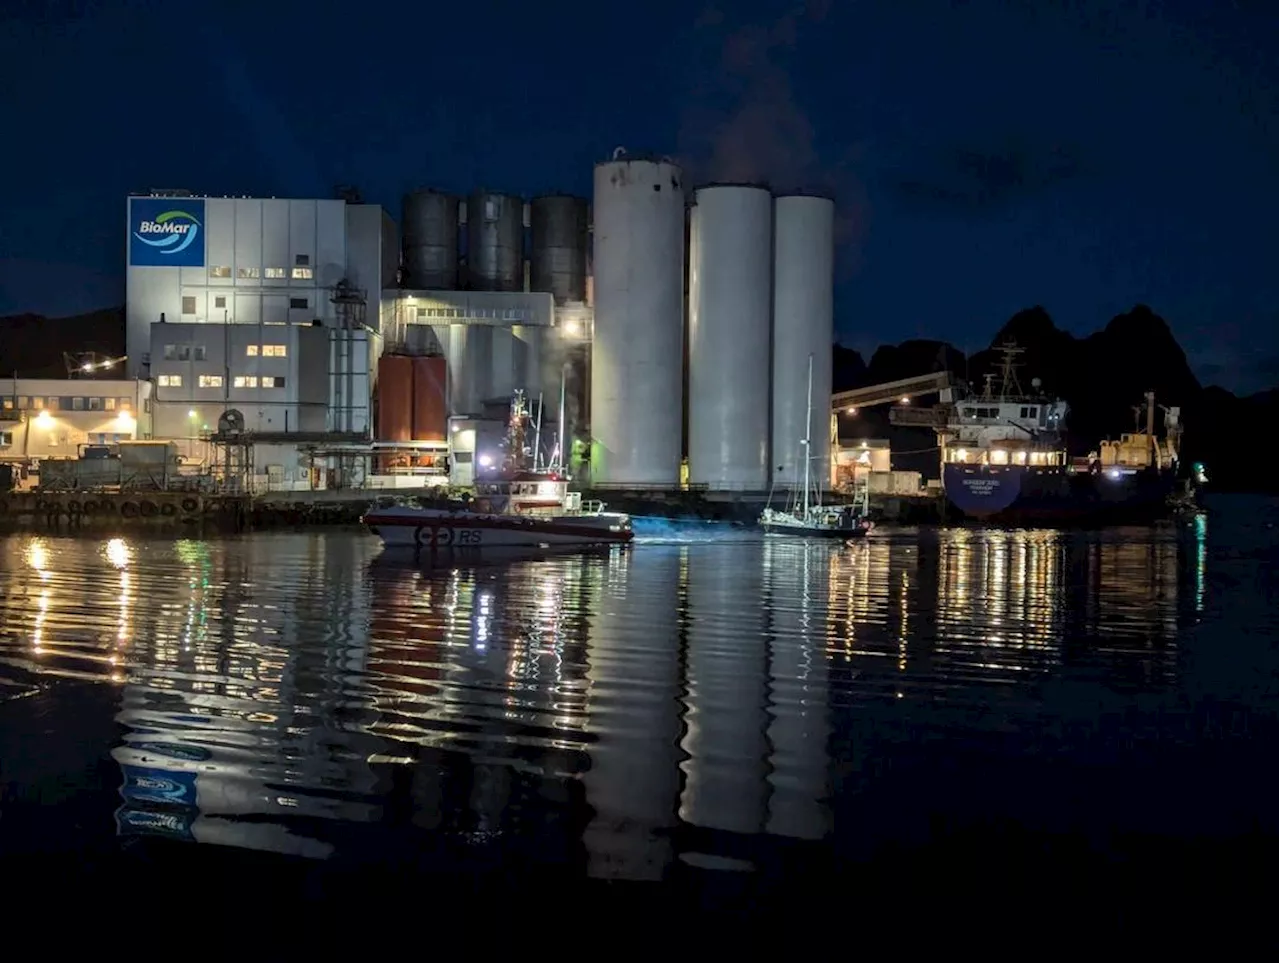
[192, 414]
[906, 400]
[851, 411]
[486, 461]
[1114, 473]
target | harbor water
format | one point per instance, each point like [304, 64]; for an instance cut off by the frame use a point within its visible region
[714, 707]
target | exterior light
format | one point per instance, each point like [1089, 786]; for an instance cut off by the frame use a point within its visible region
[44, 417]
[192, 413]
[851, 411]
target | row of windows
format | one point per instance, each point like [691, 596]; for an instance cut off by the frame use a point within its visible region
[23, 402]
[217, 381]
[250, 273]
[495, 314]
[1027, 411]
[301, 270]
[220, 303]
[196, 352]
[92, 438]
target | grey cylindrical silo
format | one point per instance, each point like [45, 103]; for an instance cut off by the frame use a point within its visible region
[558, 252]
[495, 242]
[430, 240]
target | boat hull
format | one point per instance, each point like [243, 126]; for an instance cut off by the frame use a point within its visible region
[1024, 495]
[804, 531]
[430, 529]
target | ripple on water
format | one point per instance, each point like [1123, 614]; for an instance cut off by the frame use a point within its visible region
[303, 694]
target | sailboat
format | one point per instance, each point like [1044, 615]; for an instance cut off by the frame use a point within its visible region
[806, 516]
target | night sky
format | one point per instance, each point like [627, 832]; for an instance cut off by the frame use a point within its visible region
[986, 156]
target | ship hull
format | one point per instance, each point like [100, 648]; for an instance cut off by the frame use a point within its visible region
[1021, 495]
[436, 530]
[807, 531]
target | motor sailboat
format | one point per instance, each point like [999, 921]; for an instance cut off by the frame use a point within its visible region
[806, 516]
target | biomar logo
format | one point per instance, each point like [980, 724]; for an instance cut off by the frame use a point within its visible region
[170, 231]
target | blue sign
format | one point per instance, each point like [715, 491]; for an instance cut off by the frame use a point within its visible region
[163, 786]
[166, 232]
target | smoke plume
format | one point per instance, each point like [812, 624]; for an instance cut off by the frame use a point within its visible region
[746, 123]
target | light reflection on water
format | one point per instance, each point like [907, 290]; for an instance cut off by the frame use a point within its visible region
[272, 685]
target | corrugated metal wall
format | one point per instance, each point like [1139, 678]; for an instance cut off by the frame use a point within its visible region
[430, 407]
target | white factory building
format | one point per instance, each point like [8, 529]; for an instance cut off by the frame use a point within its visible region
[679, 322]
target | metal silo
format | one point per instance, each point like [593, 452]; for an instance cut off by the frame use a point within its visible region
[803, 280]
[636, 376]
[558, 246]
[495, 242]
[730, 304]
[430, 241]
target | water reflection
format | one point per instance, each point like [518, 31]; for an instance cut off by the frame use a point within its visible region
[620, 710]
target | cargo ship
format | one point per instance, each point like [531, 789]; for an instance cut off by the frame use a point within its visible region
[1005, 461]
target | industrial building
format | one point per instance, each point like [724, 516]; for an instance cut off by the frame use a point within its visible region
[673, 328]
[54, 418]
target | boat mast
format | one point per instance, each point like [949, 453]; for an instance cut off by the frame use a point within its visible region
[537, 437]
[560, 459]
[808, 436]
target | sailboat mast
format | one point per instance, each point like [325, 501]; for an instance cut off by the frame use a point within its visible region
[560, 458]
[537, 437]
[808, 435]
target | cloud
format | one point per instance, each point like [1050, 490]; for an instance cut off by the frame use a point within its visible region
[979, 180]
[745, 123]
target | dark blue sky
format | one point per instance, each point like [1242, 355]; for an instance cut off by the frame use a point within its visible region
[987, 156]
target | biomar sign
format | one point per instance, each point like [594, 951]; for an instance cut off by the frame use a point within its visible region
[166, 232]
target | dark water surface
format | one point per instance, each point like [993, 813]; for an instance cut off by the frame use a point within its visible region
[756, 708]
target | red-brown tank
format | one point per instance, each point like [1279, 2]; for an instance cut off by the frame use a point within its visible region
[430, 410]
[395, 398]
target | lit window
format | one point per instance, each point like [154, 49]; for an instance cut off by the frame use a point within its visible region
[247, 272]
[54, 404]
[245, 381]
[124, 404]
[170, 381]
[210, 381]
[273, 382]
[251, 350]
[189, 304]
[298, 303]
[23, 402]
[95, 404]
[109, 404]
[8, 403]
[37, 402]
[302, 274]
[220, 271]
[273, 272]
[6, 439]
[274, 351]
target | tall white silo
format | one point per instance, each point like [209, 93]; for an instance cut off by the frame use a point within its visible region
[730, 307]
[803, 280]
[636, 376]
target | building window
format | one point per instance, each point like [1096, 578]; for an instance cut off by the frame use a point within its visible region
[251, 350]
[275, 351]
[6, 439]
[77, 404]
[246, 381]
[170, 381]
[248, 272]
[197, 352]
[170, 352]
[109, 404]
[298, 303]
[23, 402]
[302, 260]
[273, 272]
[422, 312]
[188, 304]
[184, 352]
[7, 404]
[54, 404]
[95, 404]
[210, 381]
[37, 403]
[270, 382]
[124, 404]
[220, 271]
[220, 301]
[302, 274]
